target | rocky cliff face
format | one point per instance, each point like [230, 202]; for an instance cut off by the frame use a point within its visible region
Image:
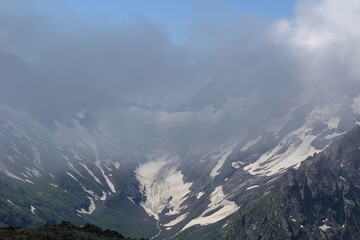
[320, 200]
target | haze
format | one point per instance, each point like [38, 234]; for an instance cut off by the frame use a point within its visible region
[66, 57]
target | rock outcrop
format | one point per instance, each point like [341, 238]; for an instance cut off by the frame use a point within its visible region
[62, 231]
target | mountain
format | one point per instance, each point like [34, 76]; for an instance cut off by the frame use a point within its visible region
[320, 200]
[148, 172]
[156, 169]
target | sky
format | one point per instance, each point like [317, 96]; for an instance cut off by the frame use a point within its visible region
[176, 17]
[103, 54]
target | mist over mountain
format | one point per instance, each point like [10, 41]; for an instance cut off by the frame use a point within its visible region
[119, 123]
[100, 63]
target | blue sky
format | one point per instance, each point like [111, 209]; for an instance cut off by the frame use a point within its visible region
[176, 17]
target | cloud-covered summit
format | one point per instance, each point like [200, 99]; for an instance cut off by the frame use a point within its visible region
[97, 63]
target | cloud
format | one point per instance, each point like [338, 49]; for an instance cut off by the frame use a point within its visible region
[324, 36]
[101, 63]
[318, 24]
[97, 63]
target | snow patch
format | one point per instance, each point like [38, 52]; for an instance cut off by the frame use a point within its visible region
[237, 164]
[32, 209]
[116, 165]
[33, 171]
[6, 171]
[331, 136]
[324, 227]
[131, 200]
[91, 207]
[8, 200]
[91, 173]
[108, 182]
[199, 195]
[103, 197]
[63, 156]
[14, 176]
[252, 187]
[250, 143]
[70, 175]
[271, 180]
[90, 192]
[76, 156]
[176, 221]
[74, 169]
[218, 201]
[222, 157]
[27, 180]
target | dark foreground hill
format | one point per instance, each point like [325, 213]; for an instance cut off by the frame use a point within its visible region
[320, 200]
[62, 231]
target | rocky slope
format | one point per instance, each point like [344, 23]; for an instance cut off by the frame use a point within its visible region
[320, 200]
[64, 230]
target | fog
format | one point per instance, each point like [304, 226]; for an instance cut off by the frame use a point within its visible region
[60, 63]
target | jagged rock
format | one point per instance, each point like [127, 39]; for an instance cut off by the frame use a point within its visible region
[64, 230]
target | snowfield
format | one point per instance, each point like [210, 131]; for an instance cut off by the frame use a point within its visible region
[298, 144]
[159, 182]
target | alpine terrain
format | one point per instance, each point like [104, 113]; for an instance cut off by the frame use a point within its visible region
[320, 200]
[159, 173]
[245, 128]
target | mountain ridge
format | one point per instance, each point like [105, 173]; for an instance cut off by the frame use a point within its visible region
[64, 230]
[320, 200]
[169, 171]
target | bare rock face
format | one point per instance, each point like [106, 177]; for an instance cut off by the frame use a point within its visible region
[320, 200]
[64, 230]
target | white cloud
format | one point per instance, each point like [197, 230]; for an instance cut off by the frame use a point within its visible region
[322, 23]
[324, 35]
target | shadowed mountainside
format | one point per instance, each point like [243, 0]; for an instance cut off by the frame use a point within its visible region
[64, 230]
[320, 200]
